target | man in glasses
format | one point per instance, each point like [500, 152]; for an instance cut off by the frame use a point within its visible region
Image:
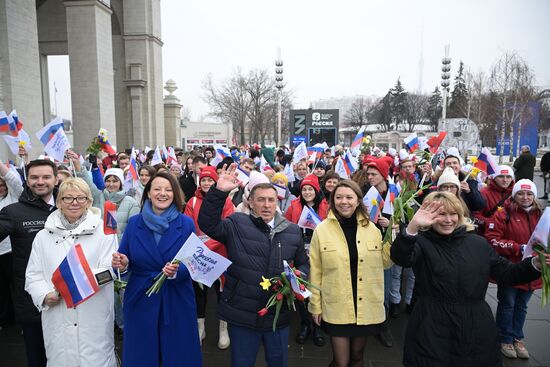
[22, 221]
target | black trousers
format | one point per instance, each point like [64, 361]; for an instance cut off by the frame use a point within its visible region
[34, 344]
[6, 289]
[201, 296]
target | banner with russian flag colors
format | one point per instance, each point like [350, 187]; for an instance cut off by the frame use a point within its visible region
[14, 123]
[242, 176]
[486, 162]
[412, 142]
[47, 132]
[300, 153]
[281, 191]
[74, 279]
[308, 218]
[374, 202]
[221, 153]
[4, 122]
[340, 168]
[110, 224]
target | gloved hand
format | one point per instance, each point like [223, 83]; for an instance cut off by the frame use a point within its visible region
[92, 158]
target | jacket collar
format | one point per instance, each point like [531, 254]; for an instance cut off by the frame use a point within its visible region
[88, 226]
[280, 223]
[361, 219]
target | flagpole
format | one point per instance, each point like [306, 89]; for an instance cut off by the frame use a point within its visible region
[117, 269]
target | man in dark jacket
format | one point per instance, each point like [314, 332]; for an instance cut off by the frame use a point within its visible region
[524, 165]
[257, 244]
[189, 181]
[22, 221]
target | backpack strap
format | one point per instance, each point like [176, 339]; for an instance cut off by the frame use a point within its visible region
[494, 209]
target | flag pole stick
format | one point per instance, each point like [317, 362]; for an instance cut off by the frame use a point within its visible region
[116, 244]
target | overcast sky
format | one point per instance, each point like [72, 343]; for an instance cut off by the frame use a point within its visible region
[343, 48]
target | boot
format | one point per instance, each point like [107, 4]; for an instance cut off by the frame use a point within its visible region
[223, 341]
[303, 334]
[318, 337]
[202, 331]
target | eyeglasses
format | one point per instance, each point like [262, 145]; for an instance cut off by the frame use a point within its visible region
[70, 199]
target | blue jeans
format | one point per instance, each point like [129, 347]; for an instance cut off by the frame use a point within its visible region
[245, 343]
[511, 313]
[395, 288]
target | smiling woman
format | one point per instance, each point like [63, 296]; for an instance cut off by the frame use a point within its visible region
[452, 266]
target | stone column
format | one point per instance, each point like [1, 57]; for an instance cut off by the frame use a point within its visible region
[172, 115]
[91, 64]
[20, 84]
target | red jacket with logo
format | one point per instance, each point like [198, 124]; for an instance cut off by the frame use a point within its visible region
[492, 194]
[508, 230]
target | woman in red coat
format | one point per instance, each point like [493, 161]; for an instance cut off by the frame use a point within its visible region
[508, 232]
[310, 195]
[496, 193]
[207, 179]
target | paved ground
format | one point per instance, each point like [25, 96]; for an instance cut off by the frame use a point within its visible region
[537, 337]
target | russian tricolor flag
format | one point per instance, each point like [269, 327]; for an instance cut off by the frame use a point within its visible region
[105, 145]
[4, 122]
[374, 202]
[356, 143]
[318, 149]
[412, 142]
[110, 224]
[14, 123]
[393, 192]
[74, 279]
[486, 162]
[133, 166]
[350, 164]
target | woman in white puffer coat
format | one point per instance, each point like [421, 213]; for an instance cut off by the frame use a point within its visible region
[82, 335]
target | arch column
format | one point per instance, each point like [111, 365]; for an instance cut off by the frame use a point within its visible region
[91, 63]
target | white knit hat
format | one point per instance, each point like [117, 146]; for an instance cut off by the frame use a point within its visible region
[117, 172]
[255, 178]
[503, 171]
[453, 152]
[448, 177]
[524, 185]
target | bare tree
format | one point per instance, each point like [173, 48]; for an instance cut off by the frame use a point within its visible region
[230, 102]
[260, 88]
[417, 110]
[357, 115]
[511, 81]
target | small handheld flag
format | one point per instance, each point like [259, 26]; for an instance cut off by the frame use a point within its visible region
[374, 202]
[435, 141]
[110, 224]
[486, 162]
[356, 144]
[412, 142]
[74, 279]
[308, 218]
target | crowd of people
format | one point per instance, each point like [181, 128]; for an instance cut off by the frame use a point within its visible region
[467, 228]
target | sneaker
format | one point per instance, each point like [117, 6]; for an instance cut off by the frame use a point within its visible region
[521, 351]
[508, 351]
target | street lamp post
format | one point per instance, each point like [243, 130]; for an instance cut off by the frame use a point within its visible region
[279, 85]
[445, 79]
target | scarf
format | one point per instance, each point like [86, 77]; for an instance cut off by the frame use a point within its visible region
[115, 197]
[158, 224]
[70, 226]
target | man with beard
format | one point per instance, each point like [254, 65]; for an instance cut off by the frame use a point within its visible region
[22, 221]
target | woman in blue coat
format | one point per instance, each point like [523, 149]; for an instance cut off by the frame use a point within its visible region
[161, 329]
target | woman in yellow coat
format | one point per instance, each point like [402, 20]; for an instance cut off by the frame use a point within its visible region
[347, 260]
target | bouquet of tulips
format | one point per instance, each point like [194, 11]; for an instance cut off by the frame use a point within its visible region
[287, 287]
[403, 204]
[159, 281]
[539, 241]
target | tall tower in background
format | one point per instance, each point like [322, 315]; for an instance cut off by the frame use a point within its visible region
[421, 62]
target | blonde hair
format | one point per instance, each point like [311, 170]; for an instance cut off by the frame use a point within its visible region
[77, 184]
[453, 204]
